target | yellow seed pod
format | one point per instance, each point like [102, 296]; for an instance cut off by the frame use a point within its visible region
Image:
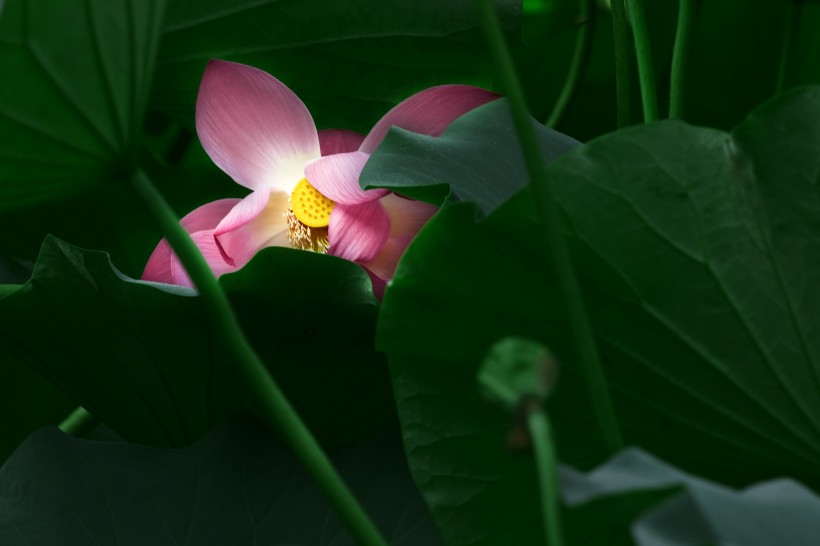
[310, 207]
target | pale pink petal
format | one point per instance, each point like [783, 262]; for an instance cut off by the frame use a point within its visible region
[358, 232]
[210, 251]
[384, 264]
[407, 217]
[337, 178]
[339, 141]
[208, 215]
[254, 127]
[428, 112]
[161, 264]
[255, 223]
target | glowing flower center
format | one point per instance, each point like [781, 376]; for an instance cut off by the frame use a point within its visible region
[310, 207]
[307, 217]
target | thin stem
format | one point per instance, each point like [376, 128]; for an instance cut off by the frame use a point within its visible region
[621, 40]
[586, 23]
[686, 17]
[275, 408]
[792, 21]
[583, 341]
[79, 423]
[546, 462]
[6, 289]
[643, 50]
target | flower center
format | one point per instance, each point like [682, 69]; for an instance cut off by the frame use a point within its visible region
[309, 206]
[307, 217]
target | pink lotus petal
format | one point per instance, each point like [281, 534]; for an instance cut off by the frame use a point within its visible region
[255, 223]
[407, 217]
[162, 263]
[384, 264]
[428, 112]
[337, 178]
[253, 127]
[208, 215]
[339, 141]
[210, 251]
[358, 232]
[379, 285]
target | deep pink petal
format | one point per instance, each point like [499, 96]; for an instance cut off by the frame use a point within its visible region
[255, 223]
[358, 232]
[339, 141]
[162, 262]
[428, 112]
[379, 285]
[254, 127]
[337, 178]
[158, 268]
[210, 251]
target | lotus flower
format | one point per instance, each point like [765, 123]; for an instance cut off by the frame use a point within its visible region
[304, 182]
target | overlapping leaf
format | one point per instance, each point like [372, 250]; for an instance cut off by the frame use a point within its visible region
[697, 252]
[473, 167]
[141, 357]
[774, 512]
[236, 486]
[70, 114]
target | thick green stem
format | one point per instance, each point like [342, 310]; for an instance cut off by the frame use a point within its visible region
[586, 351]
[686, 17]
[79, 423]
[275, 408]
[621, 41]
[643, 50]
[792, 22]
[547, 464]
[586, 22]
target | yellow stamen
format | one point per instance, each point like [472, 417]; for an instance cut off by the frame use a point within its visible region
[302, 236]
[310, 207]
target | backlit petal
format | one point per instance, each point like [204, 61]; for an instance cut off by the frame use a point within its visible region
[358, 232]
[385, 262]
[337, 178]
[338, 141]
[255, 223]
[210, 251]
[407, 217]
[163, 265]
[253, 127]
[428, 112]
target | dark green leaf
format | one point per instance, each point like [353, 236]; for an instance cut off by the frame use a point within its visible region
[349, 62]
[236, 486]
[140, 355]
[477, 169]
[69, 116]
[697, 252]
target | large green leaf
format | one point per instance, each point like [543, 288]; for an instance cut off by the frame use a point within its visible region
[349, 62]
[697, 253]
[774, 512]
[140, 355]
[236, 486]
[422, 166]
[70, 114]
